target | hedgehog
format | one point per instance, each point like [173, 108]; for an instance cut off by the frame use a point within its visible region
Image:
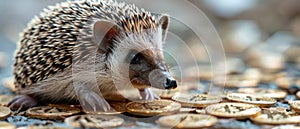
[88, 52]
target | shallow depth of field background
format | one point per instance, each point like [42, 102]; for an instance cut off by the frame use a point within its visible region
[269, 25]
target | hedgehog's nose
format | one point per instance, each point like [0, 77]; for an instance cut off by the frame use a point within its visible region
[170, 83]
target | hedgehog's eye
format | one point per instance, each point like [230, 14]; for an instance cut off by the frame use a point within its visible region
[134, 57]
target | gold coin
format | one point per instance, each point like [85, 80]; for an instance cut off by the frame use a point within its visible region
[187, 121]
[5, 99]
[287, 127]
[4, 112]
[281, 109]
[187, 109]
[52, 112]
[264, 92]
[270, 77]
[285, 82]
[195, 100]
[6, 125]
[165, 94]
[295, 105]
[237, 81]
[273, 116]
[94, 121]
[298, 94]
[251, 99]
[235, 110]
[42, 127]
[153, 107]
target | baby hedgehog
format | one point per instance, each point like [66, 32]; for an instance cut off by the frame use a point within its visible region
[89, 51]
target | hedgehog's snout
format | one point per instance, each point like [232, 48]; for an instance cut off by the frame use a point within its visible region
[170, 83]
[162, 79]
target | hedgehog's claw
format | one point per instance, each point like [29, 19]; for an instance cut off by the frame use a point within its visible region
[148, 94]
[22, 102]
[92, 102]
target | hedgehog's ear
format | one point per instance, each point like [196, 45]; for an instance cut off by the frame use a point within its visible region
[164, 23]
[104, 32]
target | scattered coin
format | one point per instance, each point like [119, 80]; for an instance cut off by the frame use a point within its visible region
[94, 121]
[165, 94]
[298, 94]
[187, 121]
[6, 125]
[264, 92]
[153, 107]
[5, 99]
[4, 112]
[282, 109]
[295, 105]
[284, 82]
[196, 100]
[42, 127]
[251, 99]
[235, 110]
[55, 112]
[270, 77]
[261, 55]
[237, 81]
[271, 116]
[287, 127]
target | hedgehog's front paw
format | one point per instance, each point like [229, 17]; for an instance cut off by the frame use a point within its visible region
[148, 94]
[22, 102]
[92, 102]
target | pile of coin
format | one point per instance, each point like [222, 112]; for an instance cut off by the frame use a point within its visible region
[180, 108]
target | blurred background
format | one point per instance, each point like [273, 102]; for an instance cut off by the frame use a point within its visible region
[255, 33]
